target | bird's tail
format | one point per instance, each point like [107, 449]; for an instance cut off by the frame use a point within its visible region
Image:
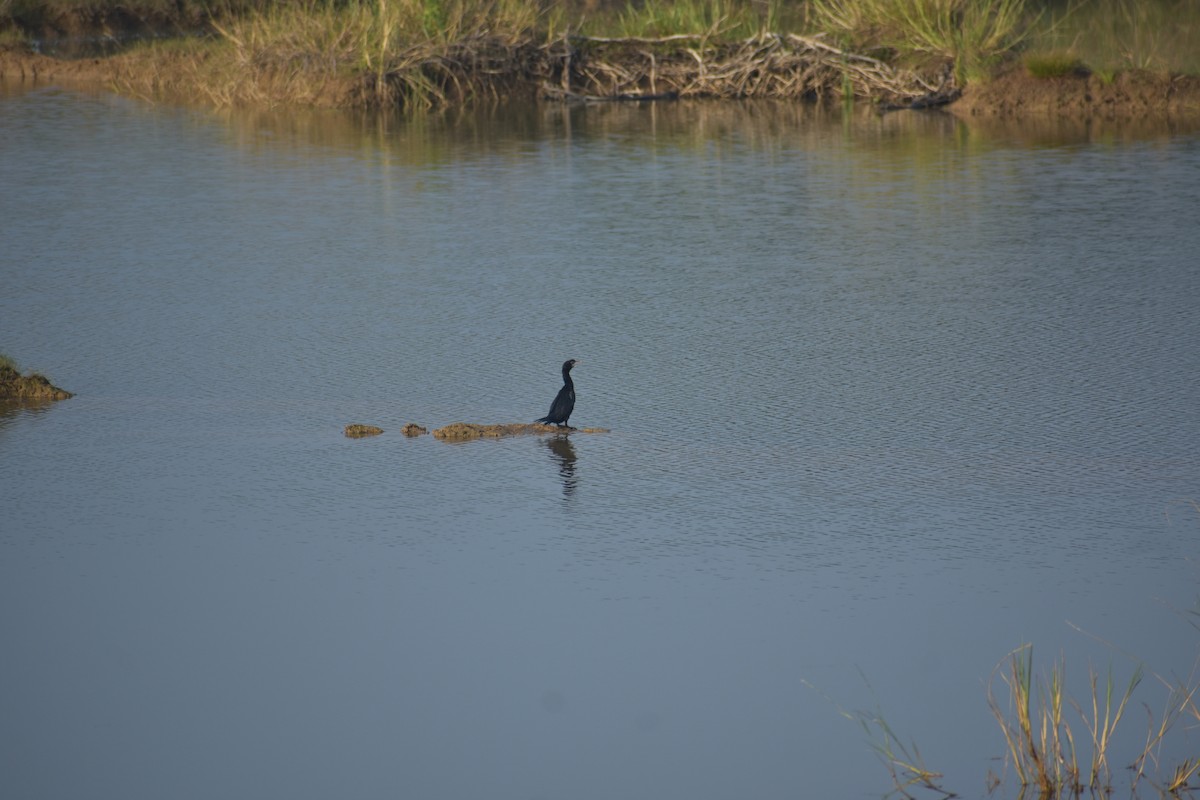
[543, 420]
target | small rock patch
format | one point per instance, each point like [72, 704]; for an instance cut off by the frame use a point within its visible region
[359, 431]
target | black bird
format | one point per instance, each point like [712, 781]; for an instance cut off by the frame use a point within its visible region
[564, 402]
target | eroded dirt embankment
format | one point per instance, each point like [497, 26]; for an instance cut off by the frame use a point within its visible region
[1129, 95]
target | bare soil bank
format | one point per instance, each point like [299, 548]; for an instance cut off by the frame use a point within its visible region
[1014, 93]
[1128, 95]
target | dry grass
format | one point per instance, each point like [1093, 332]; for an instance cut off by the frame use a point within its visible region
[326, 53]
[423, 53]
[418, 55]
[767, 65]
[1058, 757]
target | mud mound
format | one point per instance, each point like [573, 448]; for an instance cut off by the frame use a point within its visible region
[1128, 95]
[14, 386]
[358, 431]
[465, 431]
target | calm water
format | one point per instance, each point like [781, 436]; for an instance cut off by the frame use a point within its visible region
[888, 398]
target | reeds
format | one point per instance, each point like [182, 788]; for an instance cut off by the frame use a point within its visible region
[903, 762]
[1050, 756]
[1058, 747]
[424, 53]
[971, 35]
[1040, 748]
[411, 53]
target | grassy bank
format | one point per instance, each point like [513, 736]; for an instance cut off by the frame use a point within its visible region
[418, 53]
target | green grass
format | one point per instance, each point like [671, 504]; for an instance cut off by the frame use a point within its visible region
[973, 35]
[1114, 35]
[1053, 65]
[301, 52]
[724, 19]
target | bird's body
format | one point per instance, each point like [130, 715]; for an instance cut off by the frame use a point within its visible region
[564, 401]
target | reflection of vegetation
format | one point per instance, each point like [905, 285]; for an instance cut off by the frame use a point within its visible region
[778, 131]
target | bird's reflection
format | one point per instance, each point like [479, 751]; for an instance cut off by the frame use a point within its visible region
[564, 453]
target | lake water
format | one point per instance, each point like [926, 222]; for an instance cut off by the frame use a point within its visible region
[888, 397]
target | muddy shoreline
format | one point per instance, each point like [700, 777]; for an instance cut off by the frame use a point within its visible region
[1011, 94]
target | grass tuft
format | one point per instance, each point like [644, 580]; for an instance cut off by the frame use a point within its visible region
[1116, 35]
[1054, 65]
[1042, 745]
[386, 52]
[971, 34]
[728, 19]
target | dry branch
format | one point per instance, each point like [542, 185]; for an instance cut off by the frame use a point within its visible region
[769, 65]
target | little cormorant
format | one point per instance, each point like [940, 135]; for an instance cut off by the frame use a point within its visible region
[564, 402]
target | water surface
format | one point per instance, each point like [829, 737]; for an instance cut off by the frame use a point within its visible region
[889, 396]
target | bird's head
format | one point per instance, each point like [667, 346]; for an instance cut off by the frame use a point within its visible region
[569, 363]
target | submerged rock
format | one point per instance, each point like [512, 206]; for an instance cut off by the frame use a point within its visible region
[15, 386]
[359, 431]
[413, 429]
[464, 431]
